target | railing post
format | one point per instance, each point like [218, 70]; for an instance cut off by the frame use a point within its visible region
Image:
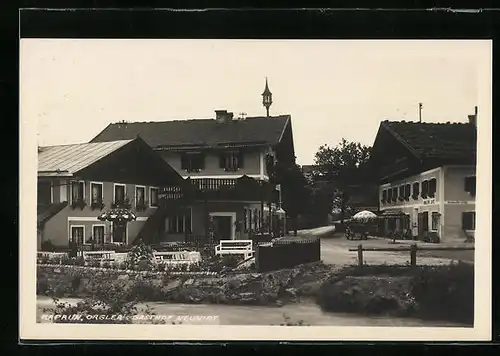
[413, 255]
[360, 255]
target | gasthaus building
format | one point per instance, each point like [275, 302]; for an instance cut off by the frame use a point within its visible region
[427, 178]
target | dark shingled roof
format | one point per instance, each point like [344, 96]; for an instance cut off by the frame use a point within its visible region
[200, 132]
[436, 140]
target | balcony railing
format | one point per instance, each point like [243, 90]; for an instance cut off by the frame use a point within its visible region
[213, 184]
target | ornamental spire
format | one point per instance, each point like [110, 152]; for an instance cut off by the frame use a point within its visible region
[267, 98]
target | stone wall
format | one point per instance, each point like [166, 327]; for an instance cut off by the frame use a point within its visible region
[273, 288]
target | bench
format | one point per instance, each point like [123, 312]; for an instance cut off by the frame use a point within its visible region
[235, 247]
[177, 257]
[107, 256]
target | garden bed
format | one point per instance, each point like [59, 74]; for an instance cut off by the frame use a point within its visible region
[430, 292]
[273, 288]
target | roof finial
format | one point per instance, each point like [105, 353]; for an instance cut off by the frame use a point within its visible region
[267, 98]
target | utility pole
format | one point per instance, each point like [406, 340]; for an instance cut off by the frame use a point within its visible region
[419, 112]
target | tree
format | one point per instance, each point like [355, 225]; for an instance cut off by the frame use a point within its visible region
[295, 195]
[343, 166]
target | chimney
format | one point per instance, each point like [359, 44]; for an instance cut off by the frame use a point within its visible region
[473, 118]
[222, 116]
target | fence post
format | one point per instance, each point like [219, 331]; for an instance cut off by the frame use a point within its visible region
[360, 255]
[413, 255]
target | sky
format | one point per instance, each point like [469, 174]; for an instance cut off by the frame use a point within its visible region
[73, 88]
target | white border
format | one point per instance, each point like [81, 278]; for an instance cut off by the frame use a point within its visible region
[29, 329]
[232, 215]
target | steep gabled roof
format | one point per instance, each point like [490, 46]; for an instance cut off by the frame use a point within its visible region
[454, 141]
[66, 160]
[252, 131]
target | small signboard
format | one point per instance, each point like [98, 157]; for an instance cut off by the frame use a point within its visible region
[171, 193]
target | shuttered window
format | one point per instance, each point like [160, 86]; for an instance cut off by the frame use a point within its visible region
[469, 220]
[470, 185]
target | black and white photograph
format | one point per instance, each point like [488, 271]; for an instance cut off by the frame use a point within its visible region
[255, 189]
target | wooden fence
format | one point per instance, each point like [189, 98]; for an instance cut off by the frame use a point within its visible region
[286, 254]
[413, 249]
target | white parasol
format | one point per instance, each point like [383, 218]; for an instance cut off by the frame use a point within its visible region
[364, 215]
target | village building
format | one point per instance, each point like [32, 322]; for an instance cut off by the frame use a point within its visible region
[229, 163]
[427, 179]
[78, 182]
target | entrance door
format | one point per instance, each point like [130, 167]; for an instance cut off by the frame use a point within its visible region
[222, 228]
[423, 224]
[119, 233]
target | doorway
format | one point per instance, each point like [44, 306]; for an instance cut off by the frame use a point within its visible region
[224, 228]
[120, 233]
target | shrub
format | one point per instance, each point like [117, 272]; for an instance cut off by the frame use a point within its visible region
[48, 246]
[445, 292]
[140, 258]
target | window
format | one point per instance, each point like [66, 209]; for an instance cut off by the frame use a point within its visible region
[416, 190]
[44, 193]
[176, 224]
[98, 234]
[435, 220]
[384, 196]
[425, 189]
[469, 220]
[231, 161]
[407, 192]
[256, 220]
[96, 194]
[250, 219]
[470, 185]
[77, 192]
[77, 233]
[140, 198]
[401, 196]
[432, 188]
[394, 194]
[193, 162]
[119, 192]
[389, 195]
[153, 197]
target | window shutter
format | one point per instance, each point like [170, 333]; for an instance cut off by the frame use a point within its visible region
[240, 159]
[201, 158]
[222, 161]
[184, 161]
[464, 221]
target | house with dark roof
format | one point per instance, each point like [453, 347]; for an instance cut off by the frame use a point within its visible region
[427, 178]
[230, 164]
[78, 182]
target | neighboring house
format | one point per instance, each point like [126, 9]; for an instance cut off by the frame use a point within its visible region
[427, 178]
[76, 183]
[228, 162]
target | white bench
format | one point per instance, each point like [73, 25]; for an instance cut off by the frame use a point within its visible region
[99, 255]
[235, 247]
[51, 254]
[177, 257]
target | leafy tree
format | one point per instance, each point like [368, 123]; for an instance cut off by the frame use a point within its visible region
[295, 194]
[342, 165]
